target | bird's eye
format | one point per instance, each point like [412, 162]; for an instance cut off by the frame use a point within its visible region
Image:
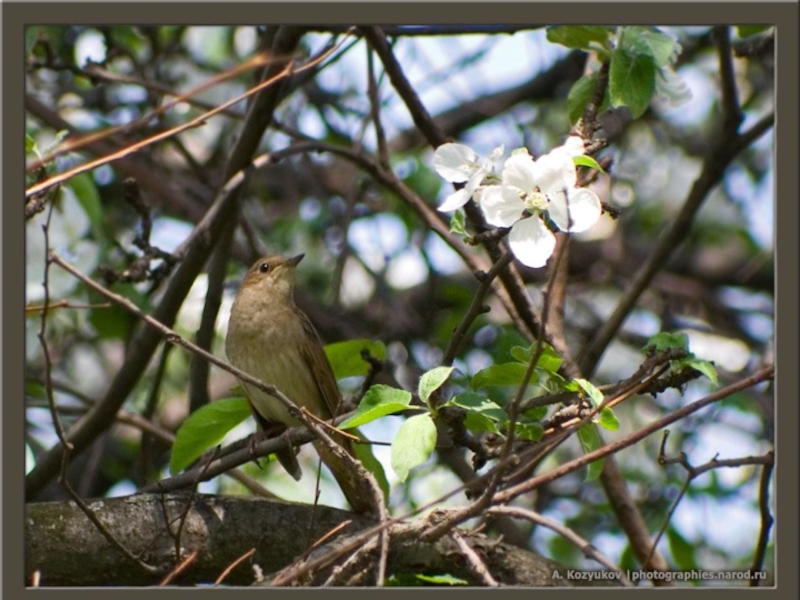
[263, 267]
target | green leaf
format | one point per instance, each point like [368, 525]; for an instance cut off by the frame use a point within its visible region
[56, 141]
[590, 441]
[502, 374]
[432, 381]
[580, 37]
[482, 413]
[345, 357]
[112, 322]
[594, 394]
[627, 561]
[631, 81]
[86, 192]
[480, 423]
[458, 223]
[549, 359]
[748, 30]
[668, 341]
[536, 414]
[442, 579]
[409, 580]
[364, 454]
[707, 368]
[522, 354]
[587, 161]
[30, 145]
[413, 444]
[35, 390]
[681, 549]
[529, 431]
[650, 42]
[204, 429]
[379, 401]
[607, 419]
[579, 95]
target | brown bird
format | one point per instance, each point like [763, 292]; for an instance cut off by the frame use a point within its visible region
[270, 338]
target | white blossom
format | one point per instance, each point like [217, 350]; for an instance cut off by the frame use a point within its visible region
[458, 163]
[532, 188]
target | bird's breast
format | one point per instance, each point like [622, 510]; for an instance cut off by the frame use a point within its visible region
[272, 351]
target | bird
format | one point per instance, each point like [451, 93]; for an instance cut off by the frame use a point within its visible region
[270, 338]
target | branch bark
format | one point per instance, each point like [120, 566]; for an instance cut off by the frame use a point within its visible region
[220, 529]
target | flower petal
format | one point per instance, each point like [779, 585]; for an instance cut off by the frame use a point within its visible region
[501, 207]
[556, 171]
[576, 212]
[520, 172]
[496, 153]
[455, 162]
[531, 242]
[455, 200]
[574, 146]
[474, 182]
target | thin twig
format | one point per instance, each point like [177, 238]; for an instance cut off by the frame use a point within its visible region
[233, 565]
[180, 568]
[196, 122]
[588, 549]
[766, 519]
[68, 447]
[474, 562]
[149, 410]
[186, 509]
[97, 72]
[375, 112]
[66, 304]
[509, 494]
[485, 499]
[693, 473]
[476, 307]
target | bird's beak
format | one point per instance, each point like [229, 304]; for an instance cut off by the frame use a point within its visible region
[292, 262]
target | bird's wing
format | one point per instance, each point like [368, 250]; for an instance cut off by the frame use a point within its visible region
[320, 367]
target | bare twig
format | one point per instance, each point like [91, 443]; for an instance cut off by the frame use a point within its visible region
[149, 410]
[65, 304]
[196, 122]
[474, 562]
[233, 565]
[585, 546]
[766, 519]
[508, 494]
[187, 507]
[98, 73]
[693, 473]
[476, 307]
[180, 568]
[67, 446]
